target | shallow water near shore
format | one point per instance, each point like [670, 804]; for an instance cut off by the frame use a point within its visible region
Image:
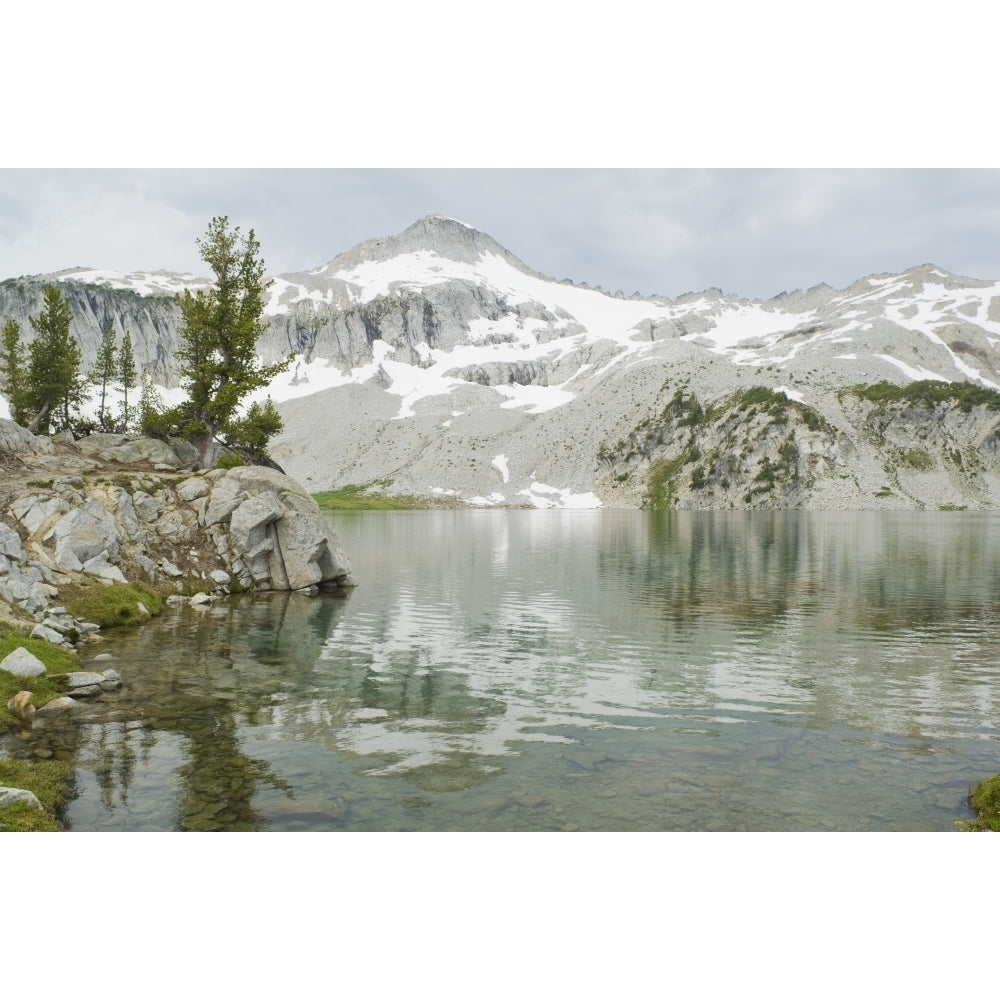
[568, 670]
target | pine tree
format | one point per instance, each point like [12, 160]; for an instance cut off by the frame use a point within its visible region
[127, 377]
[104, 371]
[150, 408]
[13, 369]
[252, 433]
[54, 384]
[219, 334]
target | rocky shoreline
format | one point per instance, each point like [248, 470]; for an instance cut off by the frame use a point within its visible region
[126, 509]
[117, 509]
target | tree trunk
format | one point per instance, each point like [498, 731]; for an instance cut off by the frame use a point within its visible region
[206, 449]
[37, 419]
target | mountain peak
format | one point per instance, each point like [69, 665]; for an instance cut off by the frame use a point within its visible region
[436, 233]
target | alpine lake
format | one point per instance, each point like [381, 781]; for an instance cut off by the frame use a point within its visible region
[547, 670]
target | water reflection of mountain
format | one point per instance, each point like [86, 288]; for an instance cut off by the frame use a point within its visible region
[476, 634]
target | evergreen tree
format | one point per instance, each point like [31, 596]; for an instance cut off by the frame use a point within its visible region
[54, 384]
[127, 377]
[104, 371]
[150, 408]
[252, 432]
[219, 333]
[13, 370]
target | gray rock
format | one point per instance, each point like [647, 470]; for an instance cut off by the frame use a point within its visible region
[10, 543]
[251, 517]
[21, 663]
[220, 577]
[99, 566]
[222, 505]
[84, 533]
[147, 506]
[16, 439]
[47, 632]
[111, 680]
[57, 705]
[199, 599]
[18, 796]
[169, 568]
[303, 541]
[34, 511]
[84, 684]
[121, 448]
[171, 528]
[193, 488]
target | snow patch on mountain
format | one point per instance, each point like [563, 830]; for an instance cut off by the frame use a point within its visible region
[140, 282]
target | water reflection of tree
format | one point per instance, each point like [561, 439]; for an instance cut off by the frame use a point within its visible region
[864, 611]
[199, 675]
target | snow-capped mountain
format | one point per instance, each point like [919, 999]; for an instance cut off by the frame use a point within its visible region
[439, 362]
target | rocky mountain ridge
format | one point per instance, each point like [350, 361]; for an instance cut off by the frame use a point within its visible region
[437, 363]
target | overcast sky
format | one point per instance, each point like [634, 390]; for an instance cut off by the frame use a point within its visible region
[856, 102]
[754, 232]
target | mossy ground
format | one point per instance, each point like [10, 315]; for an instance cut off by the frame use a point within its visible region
[50, 780]
[110, 605]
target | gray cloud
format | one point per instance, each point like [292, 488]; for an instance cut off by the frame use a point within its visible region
[753, 232]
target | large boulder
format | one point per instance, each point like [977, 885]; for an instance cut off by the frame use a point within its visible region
[277, 535]
[85, 533]
[14, 438]
[18, 796]
[130, 449]
[21, 663]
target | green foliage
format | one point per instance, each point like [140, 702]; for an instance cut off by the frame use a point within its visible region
[110, 605]
[103, 373]
[229, 460]
[152, 419]
[50, 780]
[127, 378]
[54, 385]
[219, 332]
[661, 489]
[984, 800]
[252, 432]
[13, 370]
[928, 392]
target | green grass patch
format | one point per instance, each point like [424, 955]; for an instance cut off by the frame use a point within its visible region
[367, 497]
[917, 458]
[50, 780]
[661, 489]
[56, 659]
[110, 605]
[984, 800]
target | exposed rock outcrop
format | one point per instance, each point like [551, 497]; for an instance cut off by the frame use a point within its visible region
[121, 508]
